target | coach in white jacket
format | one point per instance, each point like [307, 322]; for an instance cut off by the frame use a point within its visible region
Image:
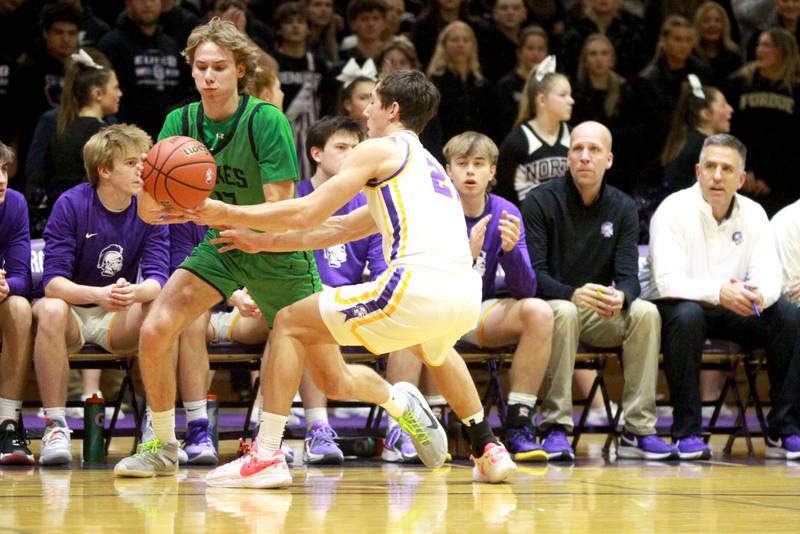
[715, 273]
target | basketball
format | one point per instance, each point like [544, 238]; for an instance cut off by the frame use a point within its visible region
[179, 172]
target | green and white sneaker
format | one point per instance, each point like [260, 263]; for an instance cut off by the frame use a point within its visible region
[429, 437]
[152, 458]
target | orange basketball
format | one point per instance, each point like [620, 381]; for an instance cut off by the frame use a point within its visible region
[179, 172]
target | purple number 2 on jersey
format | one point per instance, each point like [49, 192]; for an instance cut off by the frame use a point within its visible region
[441, 184]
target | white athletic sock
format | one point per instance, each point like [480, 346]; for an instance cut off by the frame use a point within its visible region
[316, 414]
[522, 398]
[396, 404]
[270, 433]
[10, 409]
[473, 419]
[59, 412]
[195, 410]
[164, 425]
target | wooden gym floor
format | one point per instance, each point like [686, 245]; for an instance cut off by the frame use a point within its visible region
[730, 494]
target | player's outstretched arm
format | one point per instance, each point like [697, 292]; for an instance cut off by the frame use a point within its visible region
[374, 158]
[336, 230]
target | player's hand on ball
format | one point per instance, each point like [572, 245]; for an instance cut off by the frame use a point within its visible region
[210, 212]
[242, 239]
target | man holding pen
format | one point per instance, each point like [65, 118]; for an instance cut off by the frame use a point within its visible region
[715, 273]
[581, 235]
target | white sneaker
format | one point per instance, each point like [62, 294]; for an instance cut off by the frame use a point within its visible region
[495, 464]
[56, 443]
[152, 458]
[251, 471]
[423, 428]
[725, 412]
[598, 416]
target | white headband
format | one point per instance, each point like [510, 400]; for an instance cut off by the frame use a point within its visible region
[352, 71]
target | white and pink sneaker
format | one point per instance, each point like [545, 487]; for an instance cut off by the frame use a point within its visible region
[252, 471]
[494, 466]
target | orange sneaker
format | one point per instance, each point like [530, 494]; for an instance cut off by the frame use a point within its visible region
[494, 465]
[252, 471]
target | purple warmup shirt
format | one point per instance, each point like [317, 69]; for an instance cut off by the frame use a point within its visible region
[93, 246]
[520, 278]
[183, 238]
[15, 243]
[343, 265]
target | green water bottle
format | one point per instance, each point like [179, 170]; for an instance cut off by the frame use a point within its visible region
[94, 419]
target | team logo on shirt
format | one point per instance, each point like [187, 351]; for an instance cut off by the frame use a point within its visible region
[737, 237]
[110, 260]
[336, 256]
[607, 229]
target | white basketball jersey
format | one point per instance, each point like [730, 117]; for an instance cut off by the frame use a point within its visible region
[419, 213]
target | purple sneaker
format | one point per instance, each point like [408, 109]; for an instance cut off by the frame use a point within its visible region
[649, 447]
[320, 445]
[556, 446]
[198, 445]
[785, 447]
[693, 448]
[522, 445]
[398, 447]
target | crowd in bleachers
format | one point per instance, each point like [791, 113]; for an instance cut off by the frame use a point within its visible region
[669, 79]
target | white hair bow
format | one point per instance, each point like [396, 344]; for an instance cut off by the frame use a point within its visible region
[544, 68]
[84, 59]
[697, 87]
[352, 71]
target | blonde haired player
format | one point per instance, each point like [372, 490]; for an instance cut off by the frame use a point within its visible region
[426, 300]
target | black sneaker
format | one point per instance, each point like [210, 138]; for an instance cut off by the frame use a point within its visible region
[13, 446]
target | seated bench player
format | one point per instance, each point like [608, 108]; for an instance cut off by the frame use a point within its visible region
[95, 244]
[497, 240]
[15, 315]
[715, 273]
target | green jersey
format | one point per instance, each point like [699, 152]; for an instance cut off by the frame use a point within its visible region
[251, 148]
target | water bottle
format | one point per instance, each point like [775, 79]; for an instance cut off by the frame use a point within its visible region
[94, 418]
[212, 407]
[363, 446]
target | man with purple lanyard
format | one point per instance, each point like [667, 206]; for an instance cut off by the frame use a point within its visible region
[95, 247]
[15, 315]
[328, 142]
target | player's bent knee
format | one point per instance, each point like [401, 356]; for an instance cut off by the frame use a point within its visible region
[19, 309]
[51, 314]
[536, 313]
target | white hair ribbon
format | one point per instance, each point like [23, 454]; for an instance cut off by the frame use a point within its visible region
[697, 87]
[85, 59]
[544, 68]
[352, 71]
